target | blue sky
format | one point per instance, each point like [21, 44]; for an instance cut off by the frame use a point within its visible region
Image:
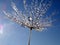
[14, 34]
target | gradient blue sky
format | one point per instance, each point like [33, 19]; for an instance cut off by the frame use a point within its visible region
[14, 34]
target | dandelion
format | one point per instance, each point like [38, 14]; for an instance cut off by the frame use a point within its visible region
[33, 16]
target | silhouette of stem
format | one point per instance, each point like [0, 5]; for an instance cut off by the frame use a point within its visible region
[29, 36]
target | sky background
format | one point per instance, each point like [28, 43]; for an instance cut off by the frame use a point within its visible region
[14, 34]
